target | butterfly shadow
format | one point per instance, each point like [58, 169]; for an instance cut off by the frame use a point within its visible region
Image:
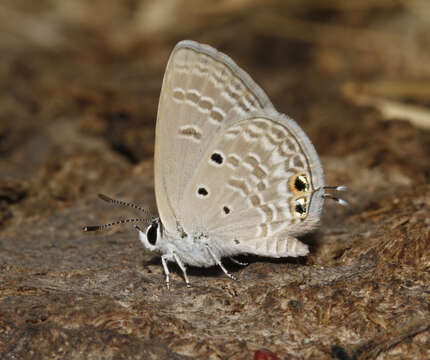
[312, 240]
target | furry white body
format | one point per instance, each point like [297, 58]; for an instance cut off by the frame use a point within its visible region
[201, 250]
[192, 249]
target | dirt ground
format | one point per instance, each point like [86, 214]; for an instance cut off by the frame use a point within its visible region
[79, 87]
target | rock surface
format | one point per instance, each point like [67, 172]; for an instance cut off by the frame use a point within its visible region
[79, 85]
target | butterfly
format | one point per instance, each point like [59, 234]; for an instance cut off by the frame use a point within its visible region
[232, 175]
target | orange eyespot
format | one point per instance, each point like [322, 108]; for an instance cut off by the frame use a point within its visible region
[299, 207]
[299, 184]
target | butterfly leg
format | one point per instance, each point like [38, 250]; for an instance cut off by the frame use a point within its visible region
[166, 270]
[239, 262]
[219, 263]
[183, 268]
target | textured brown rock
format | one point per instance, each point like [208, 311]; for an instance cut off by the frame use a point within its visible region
[79, 87]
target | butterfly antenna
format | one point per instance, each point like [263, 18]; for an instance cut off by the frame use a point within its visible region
[119, 222]
[124, 203]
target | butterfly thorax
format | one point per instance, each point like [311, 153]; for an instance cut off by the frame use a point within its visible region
[194, 248]
[191, 248]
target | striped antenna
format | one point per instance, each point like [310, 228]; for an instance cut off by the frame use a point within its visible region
[119, 222]
[150, 218]
[124, 203]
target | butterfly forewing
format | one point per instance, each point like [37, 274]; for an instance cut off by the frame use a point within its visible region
[246, 188]
[203, 92]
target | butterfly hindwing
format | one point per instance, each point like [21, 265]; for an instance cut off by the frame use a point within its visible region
[253, 187]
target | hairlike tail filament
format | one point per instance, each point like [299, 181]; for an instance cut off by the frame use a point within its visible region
[335, 198]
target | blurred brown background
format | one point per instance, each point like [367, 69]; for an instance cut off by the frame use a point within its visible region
[79, 86]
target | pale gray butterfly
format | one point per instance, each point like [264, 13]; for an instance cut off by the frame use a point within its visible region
[232, 175]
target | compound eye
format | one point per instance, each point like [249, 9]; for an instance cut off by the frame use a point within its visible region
[151, 233]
